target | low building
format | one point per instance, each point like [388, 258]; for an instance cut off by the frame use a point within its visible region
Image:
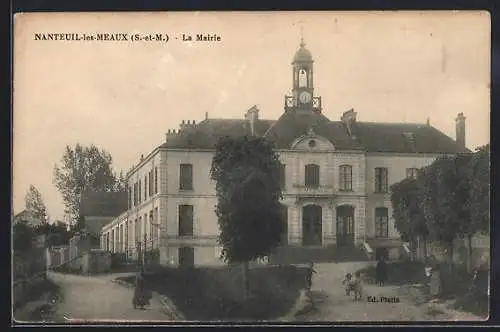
[28, 216]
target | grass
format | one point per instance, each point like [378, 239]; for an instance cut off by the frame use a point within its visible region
[211, 294]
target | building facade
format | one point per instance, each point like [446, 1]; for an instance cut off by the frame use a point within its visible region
[335, 175]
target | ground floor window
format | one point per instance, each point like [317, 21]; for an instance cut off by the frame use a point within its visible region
[186, 256]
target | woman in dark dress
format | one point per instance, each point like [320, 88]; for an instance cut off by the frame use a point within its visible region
[140, 293]
[381, 271]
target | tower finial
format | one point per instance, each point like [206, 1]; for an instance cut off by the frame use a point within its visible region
[302, 43]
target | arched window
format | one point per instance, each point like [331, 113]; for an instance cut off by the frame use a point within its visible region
[312, 176]
[345, 178]
[302, 78]
[381, 222]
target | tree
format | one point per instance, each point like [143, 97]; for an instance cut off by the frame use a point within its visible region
[478, 202]
[445, 189]
[23, 236]
[121, 182]
[34, 203]
[56, 234]
[82, 168]
[408, 216]
[248, 199]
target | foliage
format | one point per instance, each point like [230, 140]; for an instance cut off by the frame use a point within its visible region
[248, 192]
[23, 236]
[409, 219]
[479, 196]
[83, 168]
[34, 203]
[121, 182]
[57, 233]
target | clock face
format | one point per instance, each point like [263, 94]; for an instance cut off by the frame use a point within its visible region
[305, 97]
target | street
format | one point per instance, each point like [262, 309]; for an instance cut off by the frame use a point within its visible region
[380, 304]
[98, 298]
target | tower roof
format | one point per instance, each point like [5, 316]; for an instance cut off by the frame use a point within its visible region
[302, 54]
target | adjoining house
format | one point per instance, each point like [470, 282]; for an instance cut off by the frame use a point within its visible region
[335, 177]
[29, 217]
[97, 208]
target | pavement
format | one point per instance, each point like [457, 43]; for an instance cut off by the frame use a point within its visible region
[101, 299]
[380, 304]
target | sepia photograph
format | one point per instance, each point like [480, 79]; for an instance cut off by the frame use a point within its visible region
[279, 167]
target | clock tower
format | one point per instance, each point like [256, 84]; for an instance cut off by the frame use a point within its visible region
[302, 83]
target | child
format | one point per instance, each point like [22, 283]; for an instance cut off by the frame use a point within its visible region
[347, 282]
[357, 286]
[310, 272]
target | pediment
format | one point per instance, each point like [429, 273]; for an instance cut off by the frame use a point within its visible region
[312, 142]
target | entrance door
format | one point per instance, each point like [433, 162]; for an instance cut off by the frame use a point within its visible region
[186, 256]
[345, 225]
[312, 225]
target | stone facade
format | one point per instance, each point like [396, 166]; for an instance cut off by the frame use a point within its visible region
[347, 160]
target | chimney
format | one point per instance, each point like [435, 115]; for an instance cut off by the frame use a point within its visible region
[349, 118]
[252, 116]
[206, 115]
[460, 130]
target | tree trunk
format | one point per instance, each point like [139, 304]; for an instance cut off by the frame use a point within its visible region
[450, 256]
[469, 252]
[246, 280]
[425, 246]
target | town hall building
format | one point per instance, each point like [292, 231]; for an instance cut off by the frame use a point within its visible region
[335, 173]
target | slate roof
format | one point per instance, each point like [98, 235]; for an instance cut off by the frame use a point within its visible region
[367, 136]
[103, 204]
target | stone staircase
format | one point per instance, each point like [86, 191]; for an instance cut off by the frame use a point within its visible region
[300, 255]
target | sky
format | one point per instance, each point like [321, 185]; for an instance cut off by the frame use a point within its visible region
[124, 96]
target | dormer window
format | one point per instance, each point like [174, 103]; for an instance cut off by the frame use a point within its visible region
[312, 143]
[410, 137]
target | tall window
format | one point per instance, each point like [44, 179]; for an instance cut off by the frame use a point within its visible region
[411, 173]
[312, 176]
[380, 180]
[145, 186]
[130, 201]
[156, 180]
[151, 183]
[135, 194]
[185, 220]
[345, 178]
[280, 176]
[186, 177]
[139, 190]
[381, 222]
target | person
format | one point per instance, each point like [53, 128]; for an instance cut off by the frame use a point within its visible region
[141, 297]
[381, 271]
[357, 286]
[347, 282]
[436, 281]
[309, 275]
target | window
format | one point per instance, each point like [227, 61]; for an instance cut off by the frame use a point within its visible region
[280, 176]
[411, 173]
[156, 180]
[145, 187]
[186, 256]
[151, 183]
[135, 194]
[186, 177]
[185, 220]
[139, 190]
[345, 178]
[381, 222]
[130, 201]
[312, 175]
[380, 180]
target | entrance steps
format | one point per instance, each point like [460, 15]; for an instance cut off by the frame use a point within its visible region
[301, 255]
